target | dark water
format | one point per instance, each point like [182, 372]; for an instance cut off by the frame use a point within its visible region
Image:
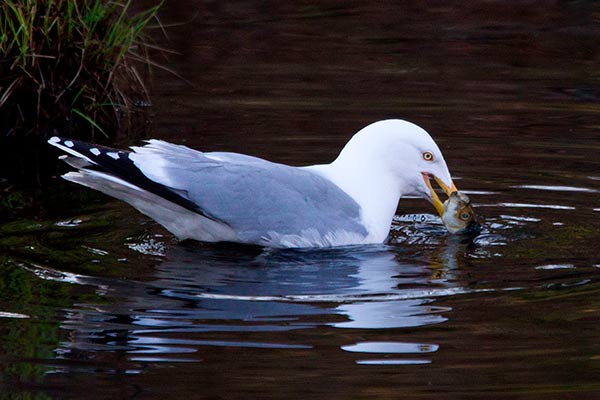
[98, 302]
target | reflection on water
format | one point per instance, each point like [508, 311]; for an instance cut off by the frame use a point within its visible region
[218, 289]
[200, 297]
[392, 348]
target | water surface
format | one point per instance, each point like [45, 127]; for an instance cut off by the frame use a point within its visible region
[96, 299]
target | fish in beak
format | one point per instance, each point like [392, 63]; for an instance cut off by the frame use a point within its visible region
[434, 198]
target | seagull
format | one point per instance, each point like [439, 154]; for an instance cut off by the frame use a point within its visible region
[231, 197]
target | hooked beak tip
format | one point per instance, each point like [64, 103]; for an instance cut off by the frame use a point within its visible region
[447, 189]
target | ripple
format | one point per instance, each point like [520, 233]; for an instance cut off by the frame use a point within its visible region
[556, 188]
[391, 347]
[390, 314]
[97, 252]
[519, 218]
[422, 218]
[162, 345]
[6, 314]
[528, 205]
[479, 192]
[339, 298]
[212, 343]
[53, 275]
[149, 247]
[72, 368]
[392, 362]
[71, 223]
[555, 266]
[163, 359]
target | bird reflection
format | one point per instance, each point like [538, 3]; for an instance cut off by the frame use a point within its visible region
[232, 290]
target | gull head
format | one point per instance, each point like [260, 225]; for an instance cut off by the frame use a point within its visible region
[401, 154]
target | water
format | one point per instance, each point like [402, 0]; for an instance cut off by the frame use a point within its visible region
[96, 301]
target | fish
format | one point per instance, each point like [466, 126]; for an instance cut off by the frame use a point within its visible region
[458, 215]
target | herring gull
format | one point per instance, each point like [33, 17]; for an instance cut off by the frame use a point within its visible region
[221, 196]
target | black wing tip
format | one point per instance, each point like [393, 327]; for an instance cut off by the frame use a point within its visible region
[90, 151]
[117, 163]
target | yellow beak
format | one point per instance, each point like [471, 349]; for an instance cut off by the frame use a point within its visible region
[435, 200]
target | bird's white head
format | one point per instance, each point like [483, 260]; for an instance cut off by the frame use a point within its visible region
[405, 153]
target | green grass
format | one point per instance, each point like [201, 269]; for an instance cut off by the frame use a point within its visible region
[76, 67]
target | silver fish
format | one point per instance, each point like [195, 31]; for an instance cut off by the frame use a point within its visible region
[458, 215]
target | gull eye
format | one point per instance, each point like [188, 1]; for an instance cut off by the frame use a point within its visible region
[465, 216]
[428, 156]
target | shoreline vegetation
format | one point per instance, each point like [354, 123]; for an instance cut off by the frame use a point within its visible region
[76, 68]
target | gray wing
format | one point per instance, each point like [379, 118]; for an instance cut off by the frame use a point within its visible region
[255, 197]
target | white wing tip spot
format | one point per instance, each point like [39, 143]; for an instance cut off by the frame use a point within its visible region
[69, 143]
[113, 154]
[95, 151]
[54, 139]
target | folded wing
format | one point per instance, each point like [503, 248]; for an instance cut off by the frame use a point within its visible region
[219, 196]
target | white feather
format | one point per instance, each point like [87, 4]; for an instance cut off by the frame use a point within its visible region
[183, 223]
[379, 165]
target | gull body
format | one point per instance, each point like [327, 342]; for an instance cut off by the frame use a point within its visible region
[220, 196]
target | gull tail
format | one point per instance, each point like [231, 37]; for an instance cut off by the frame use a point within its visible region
[112, 172]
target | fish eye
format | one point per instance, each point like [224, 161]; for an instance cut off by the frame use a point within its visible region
[465, 216]
[428, 156]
